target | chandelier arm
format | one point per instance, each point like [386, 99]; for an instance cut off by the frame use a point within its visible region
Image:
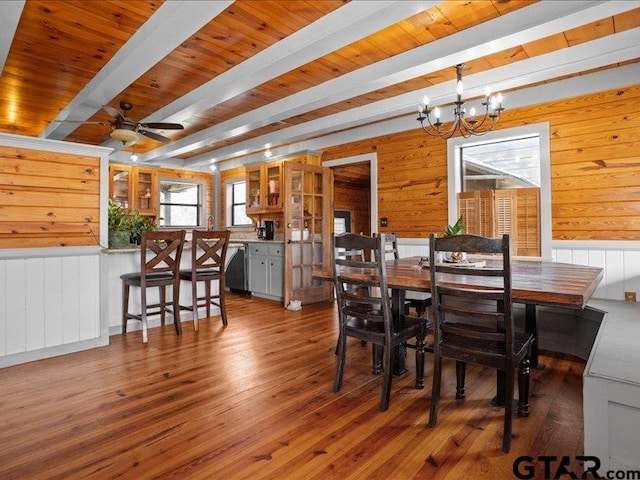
[437, 131]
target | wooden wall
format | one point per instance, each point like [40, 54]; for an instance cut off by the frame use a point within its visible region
[48, 199]
[595, 169]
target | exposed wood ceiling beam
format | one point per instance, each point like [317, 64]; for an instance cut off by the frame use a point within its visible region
[10, 11]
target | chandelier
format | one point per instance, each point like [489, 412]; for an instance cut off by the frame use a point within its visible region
[472, 125]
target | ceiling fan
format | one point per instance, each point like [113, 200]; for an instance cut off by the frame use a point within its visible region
[128, 131]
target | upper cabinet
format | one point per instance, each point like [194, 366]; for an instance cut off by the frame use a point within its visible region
[263, 188]
[120, 184]
[135, 188]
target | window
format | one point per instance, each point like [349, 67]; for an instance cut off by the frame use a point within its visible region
[180, 204]
[491, 174]
[238, 193]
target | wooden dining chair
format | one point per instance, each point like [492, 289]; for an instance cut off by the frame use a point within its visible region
[473, 321]
[160, 254]
[208, 257]
[364, 307]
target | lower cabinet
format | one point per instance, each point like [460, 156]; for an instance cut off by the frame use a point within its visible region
[266, 269]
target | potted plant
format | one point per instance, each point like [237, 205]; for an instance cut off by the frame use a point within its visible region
[450, 231]
[136, 224]
[118, 228]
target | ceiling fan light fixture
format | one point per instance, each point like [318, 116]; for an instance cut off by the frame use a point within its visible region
[124, 135]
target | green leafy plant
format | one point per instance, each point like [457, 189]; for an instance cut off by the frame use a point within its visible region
[455, 229]
[117, 216]
[136, 224]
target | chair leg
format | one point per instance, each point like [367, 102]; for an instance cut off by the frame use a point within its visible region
[388, 376]
[523, 388]
[377, 352]
[342, 353]
[194, 304]
[508, 409]
[176, 307]
[420, 361]
[461, 373]
[125, 306]
[163, 303]
[221, 295]
[435, 390]
[143, 313]
[208, 296]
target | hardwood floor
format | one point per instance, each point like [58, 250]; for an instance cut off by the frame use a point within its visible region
[255, 400]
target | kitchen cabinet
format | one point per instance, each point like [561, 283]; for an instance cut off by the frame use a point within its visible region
[265, 269]
[263, 188]
[135, 188]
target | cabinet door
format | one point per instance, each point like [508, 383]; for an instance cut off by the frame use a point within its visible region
[276, 276]
[272, 172]
[120, 184]
[258, 274]
[308, 213]
[145, 191]
[254, 189]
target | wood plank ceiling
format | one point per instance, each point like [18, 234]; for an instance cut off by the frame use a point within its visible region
[243, 74]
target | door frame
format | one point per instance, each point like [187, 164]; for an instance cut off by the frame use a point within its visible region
[372, 158]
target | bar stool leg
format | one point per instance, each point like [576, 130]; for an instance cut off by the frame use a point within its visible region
[176, 307]
[223, 308]
[163, 303]
[125, 306]
[143, 314]
[194, 303]
[207, 287]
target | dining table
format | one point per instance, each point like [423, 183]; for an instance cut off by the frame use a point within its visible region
[534, 282]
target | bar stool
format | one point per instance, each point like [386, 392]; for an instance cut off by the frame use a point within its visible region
[160, 254]
[208, 257]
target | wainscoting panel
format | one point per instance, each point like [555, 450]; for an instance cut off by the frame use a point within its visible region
[49, 305]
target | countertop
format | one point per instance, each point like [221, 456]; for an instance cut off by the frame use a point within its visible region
[187, 245]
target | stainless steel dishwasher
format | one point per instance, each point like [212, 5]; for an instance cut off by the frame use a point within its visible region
[236, 273]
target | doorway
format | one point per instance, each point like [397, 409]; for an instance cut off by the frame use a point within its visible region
[355, 191]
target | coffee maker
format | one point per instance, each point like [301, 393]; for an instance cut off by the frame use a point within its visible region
[261, 231]
[268, 230]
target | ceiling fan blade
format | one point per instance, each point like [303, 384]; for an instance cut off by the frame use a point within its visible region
[113, 112]
[82, 121]
[162, 126]
[155, 136]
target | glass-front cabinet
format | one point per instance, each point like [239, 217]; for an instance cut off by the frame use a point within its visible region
[308, 220]
[145, 186]
[120, 184]
[135, 188]
[264, 187]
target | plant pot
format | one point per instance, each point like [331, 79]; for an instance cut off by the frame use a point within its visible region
[118, 239]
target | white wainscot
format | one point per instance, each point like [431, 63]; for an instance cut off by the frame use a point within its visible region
[49, 303]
